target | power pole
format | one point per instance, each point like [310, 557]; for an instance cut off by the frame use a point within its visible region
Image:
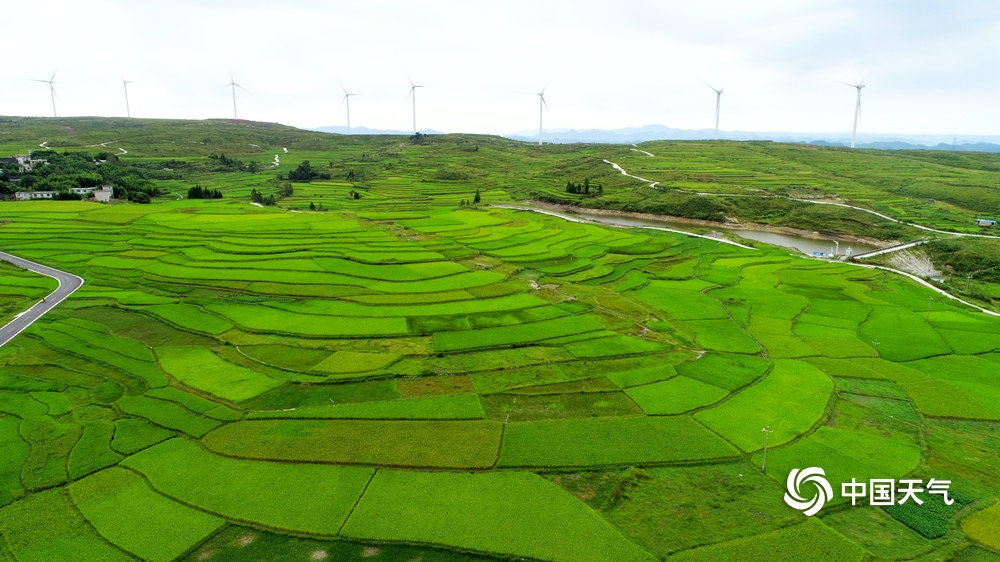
[874, 348]
[766, 431]
[928, 317]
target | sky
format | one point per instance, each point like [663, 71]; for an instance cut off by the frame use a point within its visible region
[930, 67]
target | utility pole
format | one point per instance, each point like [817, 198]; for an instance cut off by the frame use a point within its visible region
[928, 317]
[968, 279]
[874, 348]
[766, 431]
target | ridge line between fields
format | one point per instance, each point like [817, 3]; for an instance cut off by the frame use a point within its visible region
[357, 501]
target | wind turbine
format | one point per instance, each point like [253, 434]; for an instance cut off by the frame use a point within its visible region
[347, 100]
[232, 83]
[718, 102]
[541, 104]
[857, 107]
[125, 83]
[413, 94]
[52, 90]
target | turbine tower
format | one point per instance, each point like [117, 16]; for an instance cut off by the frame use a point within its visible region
[857, 107]
[232, 83]
[347, 100]
[541, 104]
[125, 83]
[718, 102]
[52, 90]
[413, 94]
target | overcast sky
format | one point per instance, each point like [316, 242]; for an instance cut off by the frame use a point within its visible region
[930, 67]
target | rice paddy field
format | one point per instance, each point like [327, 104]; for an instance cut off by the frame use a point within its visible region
[406, 376]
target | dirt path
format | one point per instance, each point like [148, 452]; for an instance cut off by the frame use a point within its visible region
[888, 218]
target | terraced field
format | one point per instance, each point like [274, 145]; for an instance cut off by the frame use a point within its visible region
[404, 375]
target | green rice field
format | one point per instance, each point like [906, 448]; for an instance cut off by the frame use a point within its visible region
[404, 376]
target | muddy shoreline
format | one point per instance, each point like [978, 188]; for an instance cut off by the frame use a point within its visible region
[787, 230]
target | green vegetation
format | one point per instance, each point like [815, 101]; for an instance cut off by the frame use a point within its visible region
[122, 507]
[789, 400]
[495, 512]
[984, 527]
[610, 441]
[426, 444]
[200, 368]
[475, 381]
[297, 497]
[46, 526]
[811, 540]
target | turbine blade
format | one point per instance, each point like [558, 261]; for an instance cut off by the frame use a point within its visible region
[53, 75]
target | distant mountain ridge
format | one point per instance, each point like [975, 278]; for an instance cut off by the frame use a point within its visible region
[630, 135]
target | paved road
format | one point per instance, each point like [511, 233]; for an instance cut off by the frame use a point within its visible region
[67, 284]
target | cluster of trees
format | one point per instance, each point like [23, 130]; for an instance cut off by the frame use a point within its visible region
[66, 170]
[258, 197]
[476, 199]
[198, 192]
[304, 173]
[354, 194]
[583, 188]
[224, 162]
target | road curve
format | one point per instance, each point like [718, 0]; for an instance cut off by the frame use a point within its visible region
[68, 283]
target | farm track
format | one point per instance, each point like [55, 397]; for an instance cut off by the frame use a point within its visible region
[68, 283]
[654, 184]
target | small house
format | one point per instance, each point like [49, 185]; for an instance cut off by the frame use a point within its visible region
[986, 222]
[28, 195]
[103, 195]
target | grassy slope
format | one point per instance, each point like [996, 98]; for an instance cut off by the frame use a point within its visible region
[82, 387]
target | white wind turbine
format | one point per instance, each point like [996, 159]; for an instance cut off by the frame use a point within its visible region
[718, 102]
[232, 83]
[857, 107]
[52, 90]
[541, 104]
[125, 83]
[413, 94]
[347, 100]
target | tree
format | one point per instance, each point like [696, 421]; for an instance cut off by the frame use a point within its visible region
[303, 173]
[476, 199]
[312, 206]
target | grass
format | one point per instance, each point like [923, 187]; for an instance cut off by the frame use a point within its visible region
[298, 497]
[984, 526]
[237, 543]
[462, 406]
[675, 396]
[125, 510]
[202, 369]
[517, 334]
[672, 508]
[505, 513]
[417, 444]
[609, 441]
[133, 435]
[725, 370]
[789, 400]
[46, 526]
[191, 318]
[167, 414]
[810, 540]
[404, 329]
